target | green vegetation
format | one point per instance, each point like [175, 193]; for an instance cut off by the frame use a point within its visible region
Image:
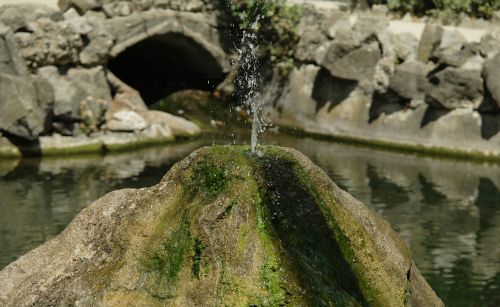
[479, 8]
[167, 261]
[210, 179]
[275, 24]
[198, 251]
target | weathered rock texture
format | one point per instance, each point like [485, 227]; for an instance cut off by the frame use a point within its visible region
[357, 75]
[364, 77]
[54, 66]
[224, 227]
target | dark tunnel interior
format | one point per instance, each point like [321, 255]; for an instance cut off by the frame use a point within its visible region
[164, 64]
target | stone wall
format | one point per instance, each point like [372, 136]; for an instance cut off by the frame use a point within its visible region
[359, 76]
[54, 75]
[365, 77]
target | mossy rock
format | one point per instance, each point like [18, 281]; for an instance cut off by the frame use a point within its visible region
[203, 108]
[224, 227]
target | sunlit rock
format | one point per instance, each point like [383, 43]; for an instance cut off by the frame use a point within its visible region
[224, 227]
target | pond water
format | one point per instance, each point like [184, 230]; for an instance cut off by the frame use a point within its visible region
[448, 212]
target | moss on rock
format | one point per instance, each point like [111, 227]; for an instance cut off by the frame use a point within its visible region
[224, 227]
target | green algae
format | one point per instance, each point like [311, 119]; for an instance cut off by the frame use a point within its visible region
[198, 249]
[227, 227]
[321, 265]
[165, 263]
[210, 179]
[352, 240]
[305, 256]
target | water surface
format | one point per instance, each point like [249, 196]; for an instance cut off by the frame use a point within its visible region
[447, 212]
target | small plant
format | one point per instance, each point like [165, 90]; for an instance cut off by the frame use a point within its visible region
[275, 24]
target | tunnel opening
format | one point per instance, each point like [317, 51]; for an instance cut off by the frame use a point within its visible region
[164, 64]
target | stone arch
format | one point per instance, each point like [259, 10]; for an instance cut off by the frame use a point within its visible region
[172, 52]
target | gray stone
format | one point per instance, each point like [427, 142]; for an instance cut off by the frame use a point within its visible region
[357, 64]
[67, 94]
[490, 44]
[96, 52]
[405, 45]
[474, 63]
[10, 60]
[410, 79]
[297, 96]
[451, 38]
[383, 71]
[431, 38]
[50, 43]
[125, 121]
[77, 23]
[458, 55]
[21, 114]
[82, 93]
[340, 25]
[178, 125]
[454, 88]
[18, 16]
[310, 40]
[98, 94]
[454, 50]
[118, 8]
[491, 74]
[367, 27]
[93, 80]
[45, 93]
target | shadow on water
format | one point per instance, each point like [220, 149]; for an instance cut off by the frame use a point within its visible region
[307, 238]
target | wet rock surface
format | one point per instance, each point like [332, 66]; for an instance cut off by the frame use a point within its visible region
[222, 227]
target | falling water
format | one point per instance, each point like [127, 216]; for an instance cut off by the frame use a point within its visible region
[249, 80]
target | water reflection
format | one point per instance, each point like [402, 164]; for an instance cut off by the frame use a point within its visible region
[448, 212]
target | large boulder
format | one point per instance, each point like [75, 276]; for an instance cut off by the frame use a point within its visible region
[25, 105]
[491, 74]
[227, 227]
[454, 88]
